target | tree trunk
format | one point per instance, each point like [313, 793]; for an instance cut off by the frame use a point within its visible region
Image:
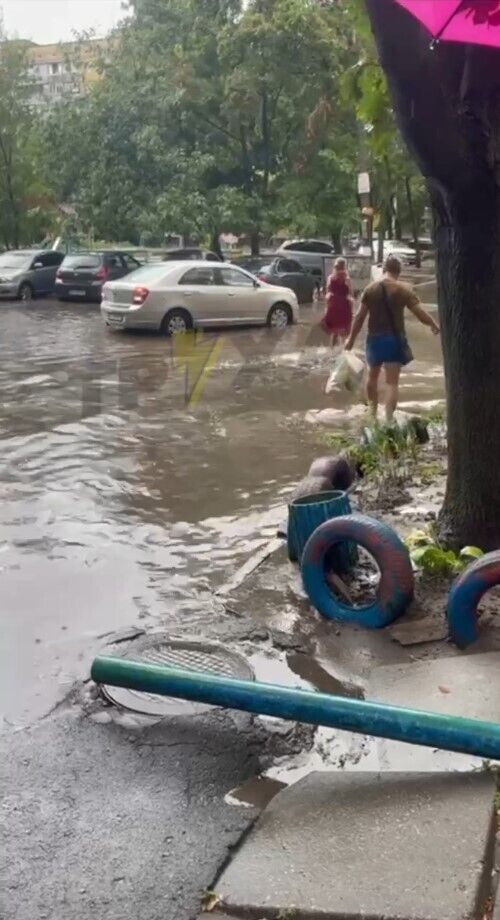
[336, 237]
[215, 245]
[468, 271]
[255, 243]
[447, 103]
[380, 243]
[413, 222]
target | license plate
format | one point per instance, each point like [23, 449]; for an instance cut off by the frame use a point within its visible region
[115, 320]
[76, 292]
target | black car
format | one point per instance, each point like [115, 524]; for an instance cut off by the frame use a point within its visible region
[289, 273]
[252, 264]
[82, 274]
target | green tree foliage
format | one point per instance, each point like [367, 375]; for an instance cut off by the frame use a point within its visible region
[399, 193]
[24, 199]
[212, 115]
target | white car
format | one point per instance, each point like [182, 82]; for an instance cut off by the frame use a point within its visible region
[173, 297]
[405, 254]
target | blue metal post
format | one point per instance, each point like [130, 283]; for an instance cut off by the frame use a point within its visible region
[451, 733]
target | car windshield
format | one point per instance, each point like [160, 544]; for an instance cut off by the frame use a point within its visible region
[150, 272]
[15, 260]
[83, 260]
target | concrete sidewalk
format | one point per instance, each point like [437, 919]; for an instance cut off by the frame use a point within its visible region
[101, 822]
[393, 847]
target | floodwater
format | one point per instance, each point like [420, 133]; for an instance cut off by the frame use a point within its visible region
[138, 474]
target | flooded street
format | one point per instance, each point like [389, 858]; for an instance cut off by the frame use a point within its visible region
[138, 473]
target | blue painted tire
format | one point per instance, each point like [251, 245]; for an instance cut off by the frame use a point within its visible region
[395, 590]
[465, 595]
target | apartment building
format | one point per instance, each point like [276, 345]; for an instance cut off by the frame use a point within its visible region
[64, 70]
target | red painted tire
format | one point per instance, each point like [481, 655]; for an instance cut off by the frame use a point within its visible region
[395, 590]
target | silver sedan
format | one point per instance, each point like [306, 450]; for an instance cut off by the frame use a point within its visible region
[174, 297]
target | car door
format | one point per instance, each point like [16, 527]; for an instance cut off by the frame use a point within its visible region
[201, 295]
[43, 272]
[115, 267]
[296, 278]
[241, 303]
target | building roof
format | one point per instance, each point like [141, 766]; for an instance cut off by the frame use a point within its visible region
[53, 54]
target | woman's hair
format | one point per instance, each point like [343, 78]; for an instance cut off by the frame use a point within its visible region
[340, 265]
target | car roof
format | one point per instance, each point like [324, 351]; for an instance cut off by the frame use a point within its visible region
[306, 239]
[23, 252]
[202, 263]
[98, 252]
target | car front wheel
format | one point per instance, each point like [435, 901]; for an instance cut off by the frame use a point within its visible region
[279, 316]
[26, 292]
[176, 322]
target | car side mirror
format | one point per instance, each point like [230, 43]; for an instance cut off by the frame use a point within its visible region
[37, 264]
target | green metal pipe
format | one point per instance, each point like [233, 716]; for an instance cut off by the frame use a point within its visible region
[450, 733]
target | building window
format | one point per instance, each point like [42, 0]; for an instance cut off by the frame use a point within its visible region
[55, 68]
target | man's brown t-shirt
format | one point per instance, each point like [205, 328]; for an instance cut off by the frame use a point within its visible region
[400, 295]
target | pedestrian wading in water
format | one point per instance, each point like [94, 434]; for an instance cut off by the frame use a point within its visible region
[384, 303]
[339, 300]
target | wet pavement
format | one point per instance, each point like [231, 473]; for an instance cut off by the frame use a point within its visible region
[139, 473]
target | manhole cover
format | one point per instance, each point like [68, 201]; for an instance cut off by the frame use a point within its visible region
[176, 653]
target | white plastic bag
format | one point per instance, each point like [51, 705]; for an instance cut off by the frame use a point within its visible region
[347, 373]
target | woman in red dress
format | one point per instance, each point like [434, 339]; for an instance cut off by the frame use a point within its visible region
[338, 316]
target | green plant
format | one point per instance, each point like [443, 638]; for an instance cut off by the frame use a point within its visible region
[431, 558]
[382, 448]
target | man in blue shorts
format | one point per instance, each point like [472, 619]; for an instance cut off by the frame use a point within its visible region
[384, 303]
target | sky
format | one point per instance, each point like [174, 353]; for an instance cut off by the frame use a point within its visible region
[47, 21]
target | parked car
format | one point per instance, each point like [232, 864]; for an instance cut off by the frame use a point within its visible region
[182, 295]
[191, 252]
[28, 273]
[290, 274]
[252, 264]
[309, 254]
[406, 254]
[82, 274]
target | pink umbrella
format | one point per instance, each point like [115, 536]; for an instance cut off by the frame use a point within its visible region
[469, 21]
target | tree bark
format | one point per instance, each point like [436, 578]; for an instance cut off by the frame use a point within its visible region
[468, 268]
[255, 243]
[447, 102]
[215, 245]
[336, 238]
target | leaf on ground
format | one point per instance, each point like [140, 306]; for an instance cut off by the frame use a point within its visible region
[471, 552]
[444, 689]
[210, 901]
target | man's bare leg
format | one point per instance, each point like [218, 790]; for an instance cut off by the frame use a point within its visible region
[392, 373]
[372, 390]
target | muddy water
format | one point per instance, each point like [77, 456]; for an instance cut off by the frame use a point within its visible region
[137, 475]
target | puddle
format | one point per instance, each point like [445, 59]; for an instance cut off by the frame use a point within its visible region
[164, 516]
[255, 793]
[310, 670]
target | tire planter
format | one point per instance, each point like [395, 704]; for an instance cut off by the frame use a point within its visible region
[465, 595]
[395, 590]
[306, 513]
